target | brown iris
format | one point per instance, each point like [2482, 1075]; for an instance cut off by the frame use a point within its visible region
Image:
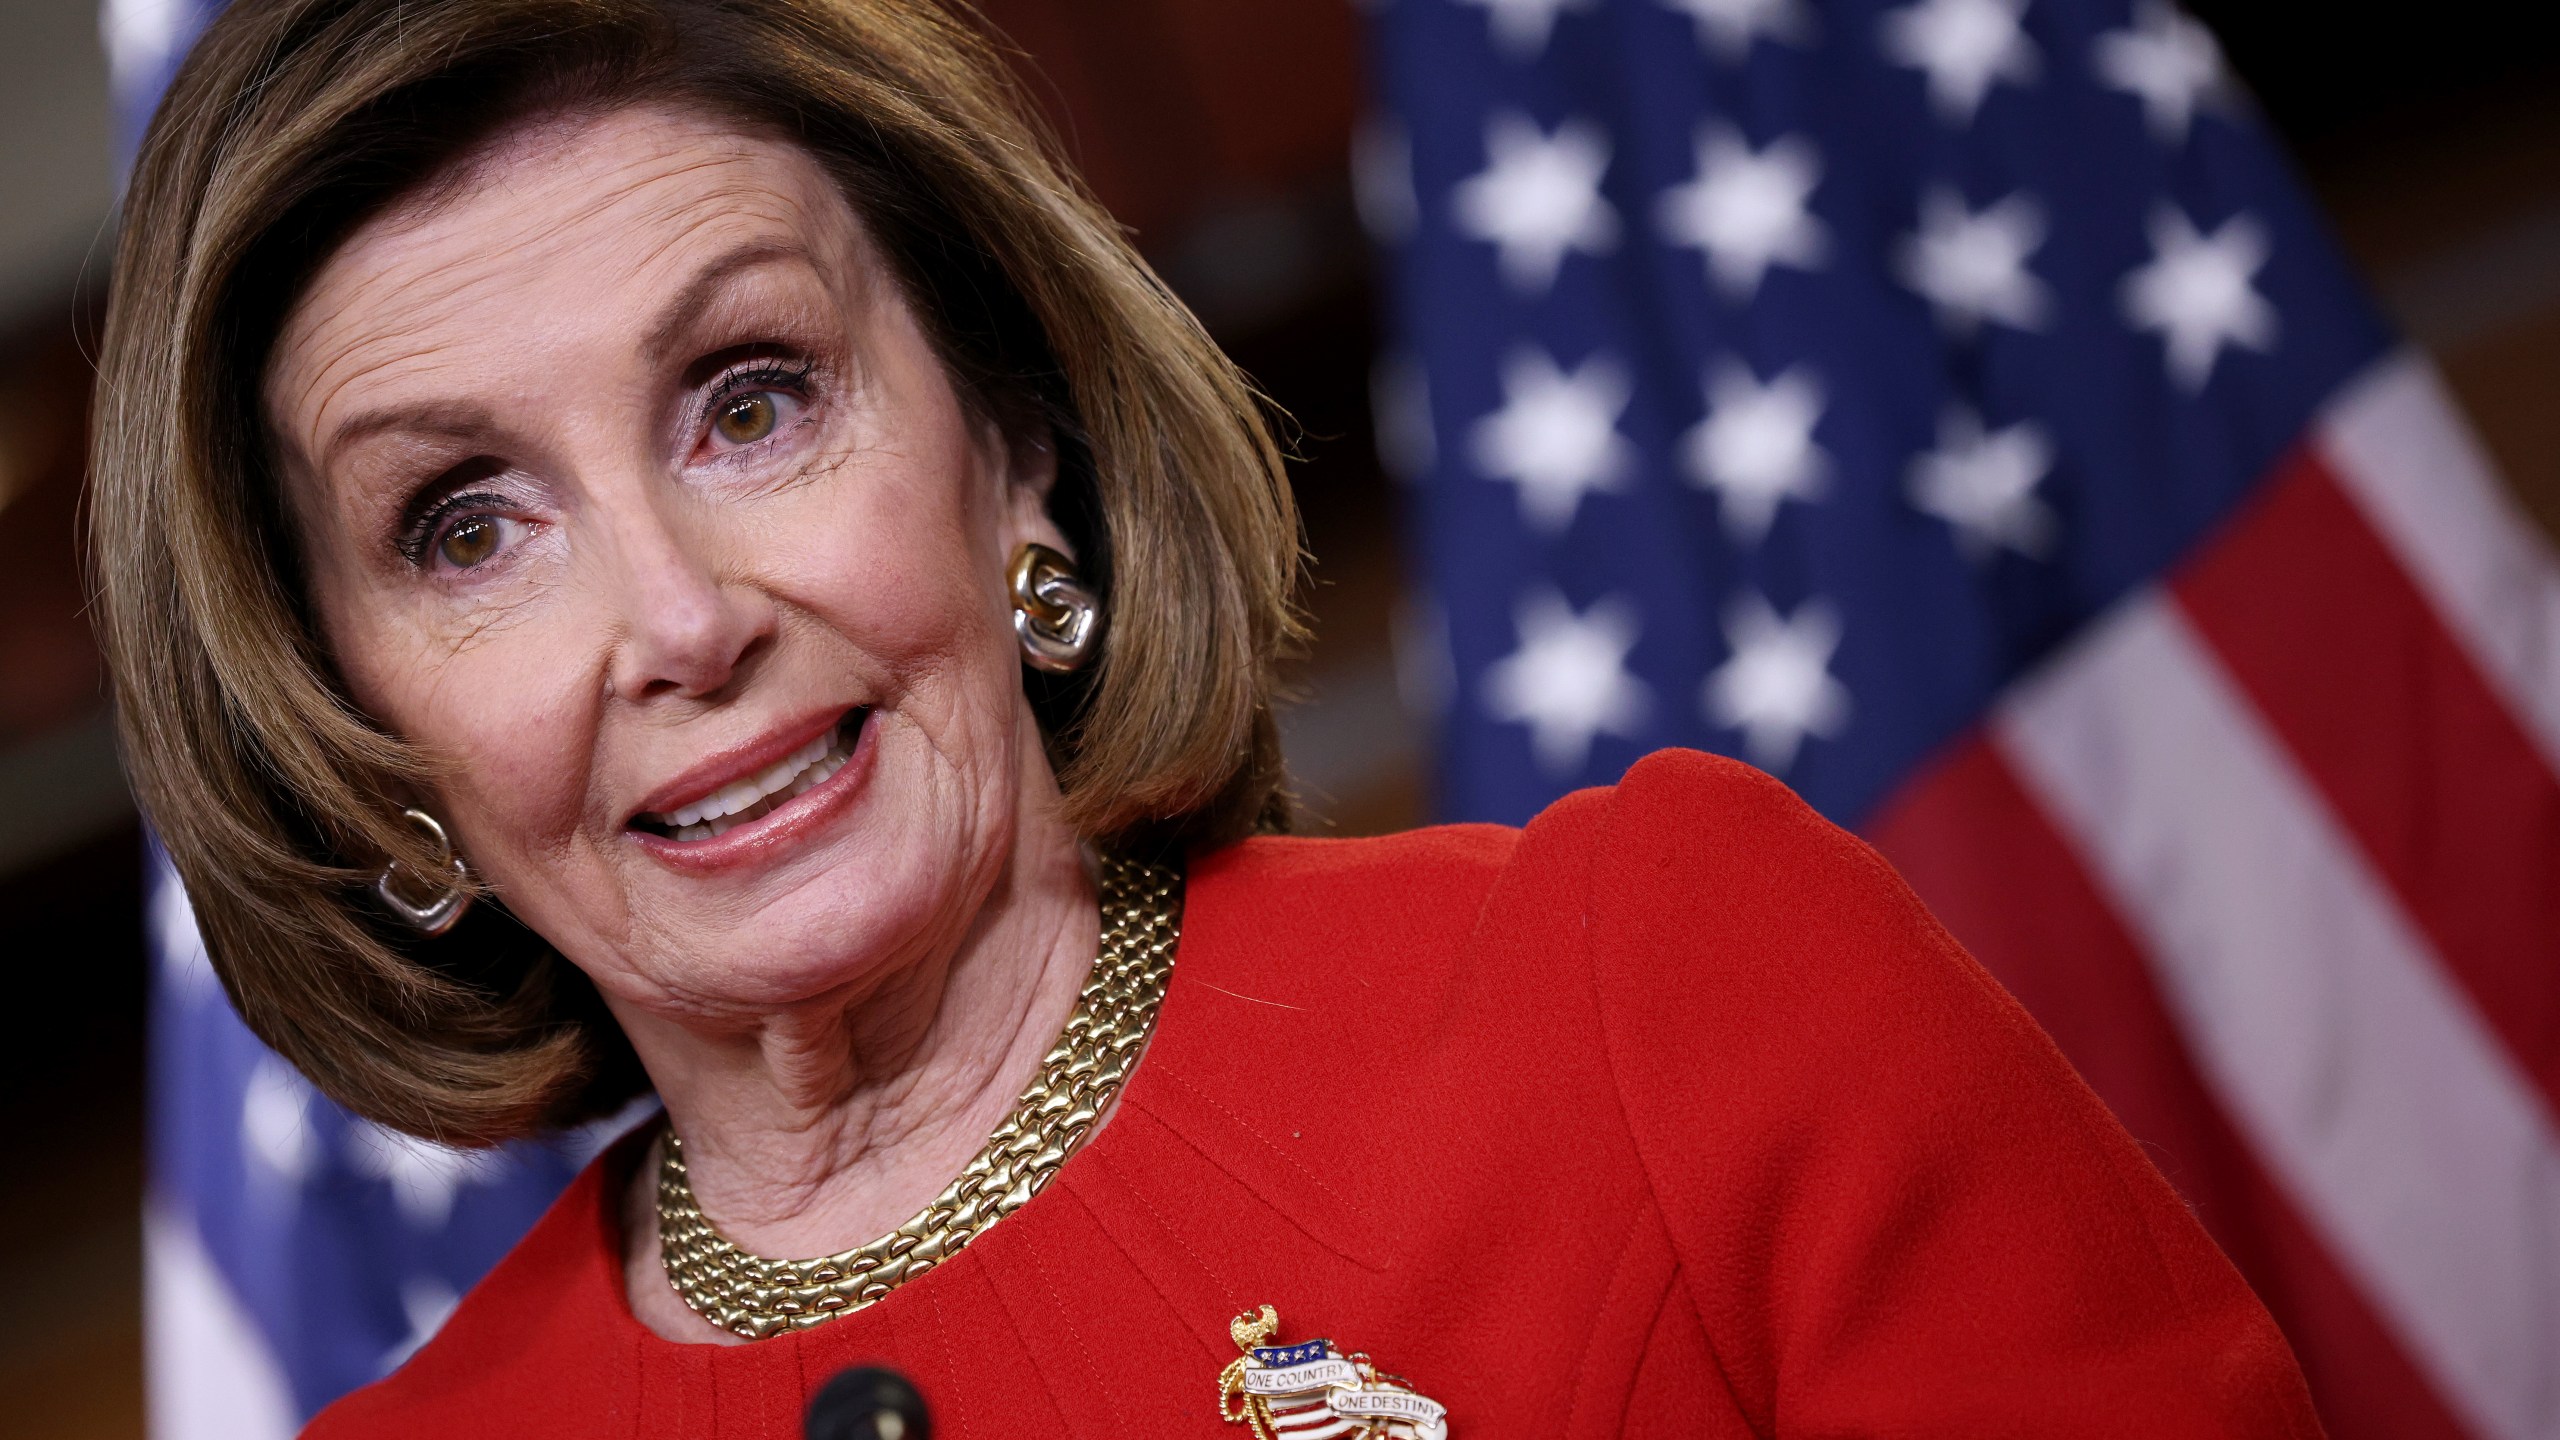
[470, 541]
[747, 419]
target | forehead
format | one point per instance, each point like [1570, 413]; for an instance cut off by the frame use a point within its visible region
[561, 226]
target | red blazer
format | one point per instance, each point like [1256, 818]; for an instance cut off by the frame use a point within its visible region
[1674, 1114]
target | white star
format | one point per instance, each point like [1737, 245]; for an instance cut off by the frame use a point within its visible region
[1521, 27]
[275, 1120]
[1728, 26]
[1537, 197]
[1382, 180]
[427, 1303]
[1568, 681]
[2196, 292]
[1755, 447]
[1972, 265]
[1746, 209]
[141, 36]
[1777, 687]
[1965, 45]
[1556, 435]
[424, 1176]
[1983, 483]
[2167, 60]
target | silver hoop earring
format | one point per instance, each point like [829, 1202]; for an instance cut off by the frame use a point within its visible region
[1056, 616]
[446, 898]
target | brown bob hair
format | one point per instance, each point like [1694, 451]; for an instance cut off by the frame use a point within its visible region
[295, 120]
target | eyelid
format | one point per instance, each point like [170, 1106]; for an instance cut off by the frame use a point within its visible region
[747, 376]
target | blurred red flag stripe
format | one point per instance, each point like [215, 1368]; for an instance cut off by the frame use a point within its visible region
[2275, 853]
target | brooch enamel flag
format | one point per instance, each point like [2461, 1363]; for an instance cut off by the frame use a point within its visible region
[1311, 1390]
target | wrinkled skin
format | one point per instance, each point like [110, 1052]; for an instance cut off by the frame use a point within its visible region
[621, 457]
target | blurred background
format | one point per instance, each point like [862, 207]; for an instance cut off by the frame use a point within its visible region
[1219, 131]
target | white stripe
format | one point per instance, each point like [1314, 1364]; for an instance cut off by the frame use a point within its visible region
[1307, 1417]
[207, 1374]
[2363, 1080]
[2403, 451]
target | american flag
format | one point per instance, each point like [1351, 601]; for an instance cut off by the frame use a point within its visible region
[1956, 408]
[292, 1251]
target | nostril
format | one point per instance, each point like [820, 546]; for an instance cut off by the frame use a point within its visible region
[695, 642]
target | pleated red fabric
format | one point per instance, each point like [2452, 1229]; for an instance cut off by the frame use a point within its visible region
[1674, 1114]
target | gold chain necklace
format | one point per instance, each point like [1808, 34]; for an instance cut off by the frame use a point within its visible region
[754, 1296]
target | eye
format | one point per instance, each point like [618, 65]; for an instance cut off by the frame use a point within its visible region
[751, 404]
[461, 535]
[746, 419]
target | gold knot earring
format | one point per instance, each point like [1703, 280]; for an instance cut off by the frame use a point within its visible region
[1056, 616]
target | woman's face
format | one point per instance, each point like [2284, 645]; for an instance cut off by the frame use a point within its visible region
[630, 488]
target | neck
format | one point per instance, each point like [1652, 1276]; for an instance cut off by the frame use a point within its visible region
[826, 1125]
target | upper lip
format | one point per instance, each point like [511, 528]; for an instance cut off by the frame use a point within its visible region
[723, 767]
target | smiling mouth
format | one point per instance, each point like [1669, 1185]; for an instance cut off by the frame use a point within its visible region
[743, 801]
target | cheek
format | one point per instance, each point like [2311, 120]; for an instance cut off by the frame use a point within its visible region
[898, 566]
[510, 710]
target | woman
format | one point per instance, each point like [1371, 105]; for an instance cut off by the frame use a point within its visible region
[695, 477]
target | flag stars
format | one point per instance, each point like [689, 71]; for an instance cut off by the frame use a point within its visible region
[1964, 47]
[1972, 265]
[2197, 293]
[1537, 198]
[1727, 27]
[1777, 687]
[1521, 27]
[2166, 60]
[275, 1120]
[1748, 209]
[423, 1175]
[1754, 450]
[1569, 682]
[425, 1303]
[1983, 484]
[1556, 435]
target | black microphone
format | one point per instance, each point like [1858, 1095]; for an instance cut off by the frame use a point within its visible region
[867, 1402]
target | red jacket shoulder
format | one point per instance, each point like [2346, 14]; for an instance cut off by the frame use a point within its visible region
[1722, 873]
[1300, 907]
[1443, 859]
[1842, 1115]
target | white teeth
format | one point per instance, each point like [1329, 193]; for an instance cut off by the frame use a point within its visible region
[736, 803]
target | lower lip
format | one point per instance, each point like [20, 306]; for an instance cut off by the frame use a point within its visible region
[768, 836]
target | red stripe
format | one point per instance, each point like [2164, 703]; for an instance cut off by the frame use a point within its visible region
[2440, 786]
[1986, 858]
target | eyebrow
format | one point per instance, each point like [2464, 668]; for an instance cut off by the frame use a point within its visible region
[686, 310]
[467, 423]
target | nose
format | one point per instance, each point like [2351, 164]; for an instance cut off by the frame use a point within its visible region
[687, 630]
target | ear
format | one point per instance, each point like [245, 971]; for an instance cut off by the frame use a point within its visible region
[1030, 472]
